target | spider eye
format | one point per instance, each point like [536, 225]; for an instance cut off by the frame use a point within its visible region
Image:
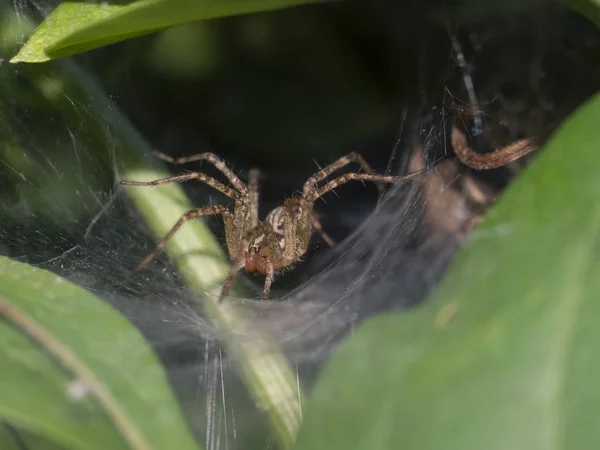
[253, 249]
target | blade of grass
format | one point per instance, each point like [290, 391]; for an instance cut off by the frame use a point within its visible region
[75, 27]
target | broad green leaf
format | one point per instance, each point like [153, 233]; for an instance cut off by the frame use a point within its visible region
[77, 373]
[505, 354]
[75, 27]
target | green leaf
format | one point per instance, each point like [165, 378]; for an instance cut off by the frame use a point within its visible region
[505, 354]
[75, 27]
[77, 373]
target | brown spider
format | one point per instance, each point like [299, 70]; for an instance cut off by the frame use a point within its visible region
[282, 238]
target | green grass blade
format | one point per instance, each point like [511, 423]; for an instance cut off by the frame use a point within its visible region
[75, 27]
[504, 356]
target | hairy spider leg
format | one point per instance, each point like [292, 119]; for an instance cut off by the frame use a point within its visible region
[236, 265]
[317, 226]
[311, 183]
[343, 179]
[214, 160]
[234, 231]
[192, 214]
[231, 193]
[268, 281]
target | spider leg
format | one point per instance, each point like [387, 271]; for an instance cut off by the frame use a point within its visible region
[236, 265]
[268, 281]
[214, 160]
[231, 193]
[343, 179]
[487, 161]
[317, 226]
[311, 183]
[192, 214]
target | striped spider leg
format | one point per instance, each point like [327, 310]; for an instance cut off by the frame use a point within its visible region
[237, 222]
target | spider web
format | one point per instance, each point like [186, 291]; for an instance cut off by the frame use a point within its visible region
[61, 210]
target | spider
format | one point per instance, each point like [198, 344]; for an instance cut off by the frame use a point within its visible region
[264, 247]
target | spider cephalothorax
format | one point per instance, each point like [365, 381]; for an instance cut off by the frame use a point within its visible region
[283, 237]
